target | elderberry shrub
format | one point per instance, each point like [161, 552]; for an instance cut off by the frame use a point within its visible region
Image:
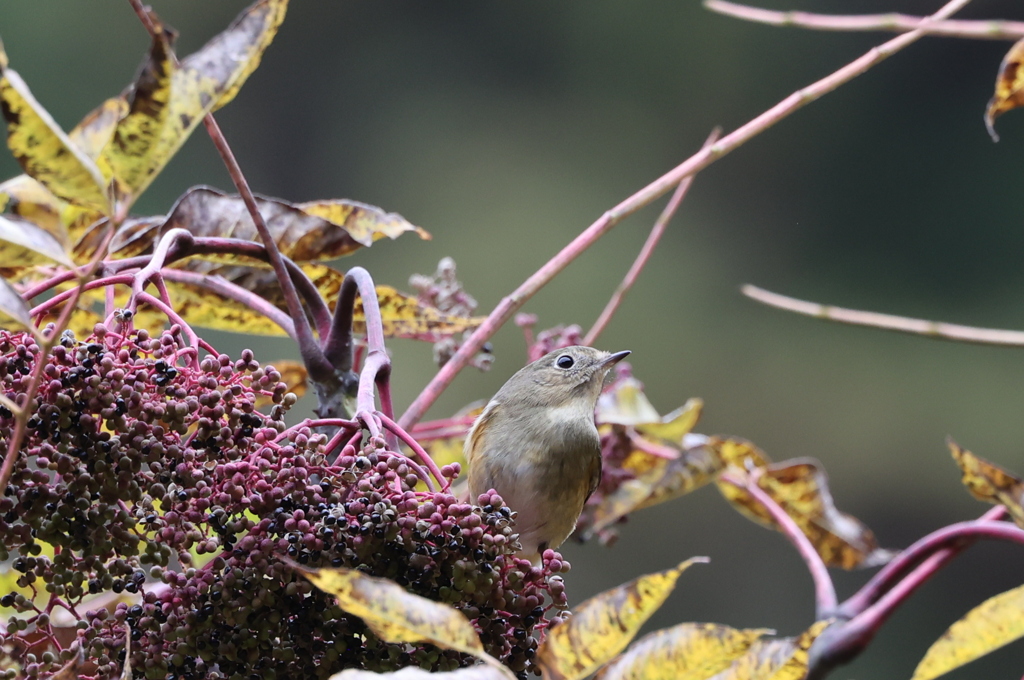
[146, 474]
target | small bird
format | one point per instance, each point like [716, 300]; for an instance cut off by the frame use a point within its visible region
[537, 446]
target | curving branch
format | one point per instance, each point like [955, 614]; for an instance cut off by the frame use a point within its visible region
[935, 550]
[824, 590]
[645, 253]
[846, 639]
[703, 158]
[231, 291]
[889, 322]
[975, 29]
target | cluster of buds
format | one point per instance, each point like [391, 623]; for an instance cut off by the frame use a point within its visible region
[445, 292]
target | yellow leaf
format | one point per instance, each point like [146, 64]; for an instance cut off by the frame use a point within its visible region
[94, 131]
[602, 626]
[738, 452]
[203, 307]
[994, 623]
[24, 244]
[44, 151]
[27, 198]
[1009, 93]
[675, 425]
[662, 480]
[405, 317]
[800, 487]
[364, 223]
[988, 482]
[626, 404]
[231, 56]
[780, 659]
[13, 308]
[168, 101]
[135, 236]
[393, 613]
[689, 651]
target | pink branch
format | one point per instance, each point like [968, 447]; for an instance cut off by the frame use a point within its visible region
[397, 430]
[824, 590]
[978, 29]
[159, 258]
[223, 287]
[935, 549]
[376, 362]
[651, 448]
[845, 640]
[705, 157]
[645, 253]
[57, 300]
[340, 423]
[889, 322]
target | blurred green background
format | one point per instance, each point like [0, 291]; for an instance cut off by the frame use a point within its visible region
[505, 128]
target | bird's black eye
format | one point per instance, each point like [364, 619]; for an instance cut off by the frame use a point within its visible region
[565, 361]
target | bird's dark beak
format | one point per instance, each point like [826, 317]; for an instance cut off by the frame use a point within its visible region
[615, 358]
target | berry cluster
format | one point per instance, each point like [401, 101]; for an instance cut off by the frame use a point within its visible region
[153, 475]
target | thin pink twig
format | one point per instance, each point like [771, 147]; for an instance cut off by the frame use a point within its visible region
[652, 448]
[341, 423]
[61, 298]
[824, 589]
[221, 286]
[703, 158]
[985, 29]
[889, 322]
[660, 225]
[174, 318]
[420, 452]
[46, 343]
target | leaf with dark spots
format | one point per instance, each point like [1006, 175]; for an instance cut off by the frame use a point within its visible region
[43, 150]
[28, 199]
[775, 659]
[403, 315]
[300, 235]
[688, 651]
[94, 131]
[168, 101]
[602, 626]
[135, 236]
[800, 487]
[1009, 91]
[364, 223]
[990, 483]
